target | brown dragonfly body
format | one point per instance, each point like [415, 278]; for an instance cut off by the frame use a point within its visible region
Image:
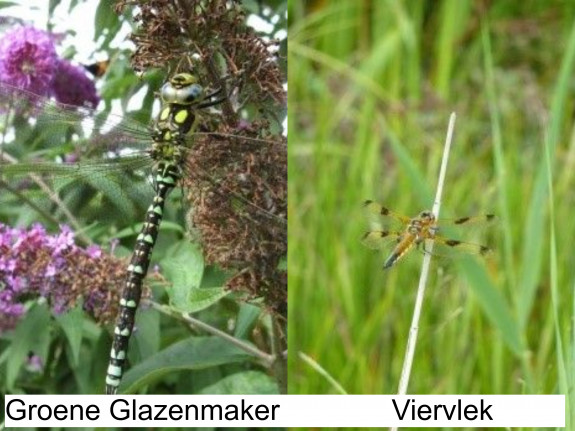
[416, 231]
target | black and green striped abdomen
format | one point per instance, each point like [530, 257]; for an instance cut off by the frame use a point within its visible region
[167, 177]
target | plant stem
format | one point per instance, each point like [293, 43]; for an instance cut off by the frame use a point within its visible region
[279, 347]
[413, 330]
[266, 358]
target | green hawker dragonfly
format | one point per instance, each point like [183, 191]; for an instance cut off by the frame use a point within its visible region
[121, 156]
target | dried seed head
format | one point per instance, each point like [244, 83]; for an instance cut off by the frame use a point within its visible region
[240, 208]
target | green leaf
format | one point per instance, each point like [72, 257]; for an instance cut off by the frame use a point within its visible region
[71, 323]
[97, 369]
[184, 267]
[7, 4]
[106, 22]
[247, 317]
[146, 340]
[244, 383]
[52, 5]
[494, 304]
[184, 264]
[31, 335]
[192, 354]
[201, 298]
[135, 229]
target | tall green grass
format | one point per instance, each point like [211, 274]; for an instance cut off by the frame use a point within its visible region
[371, 88]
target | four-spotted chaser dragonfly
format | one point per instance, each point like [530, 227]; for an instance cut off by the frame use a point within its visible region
[418, 229]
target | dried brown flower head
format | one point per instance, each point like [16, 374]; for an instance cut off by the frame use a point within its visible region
[240, 208]
[174, 33]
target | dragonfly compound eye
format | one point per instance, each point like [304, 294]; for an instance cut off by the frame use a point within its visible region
[183, 96]
[189, 94]
[168, 93]
[426, 215]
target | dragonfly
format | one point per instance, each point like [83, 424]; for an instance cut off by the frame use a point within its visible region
[125, 148]
[416, 230]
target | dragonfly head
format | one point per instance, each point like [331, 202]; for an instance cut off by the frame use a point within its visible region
[426, 216]
[181, 80]
[183, 89]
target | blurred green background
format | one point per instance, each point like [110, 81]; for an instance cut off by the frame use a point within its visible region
[371, 86]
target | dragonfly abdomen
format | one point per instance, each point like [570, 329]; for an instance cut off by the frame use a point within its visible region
[399, 251]
[166, 179]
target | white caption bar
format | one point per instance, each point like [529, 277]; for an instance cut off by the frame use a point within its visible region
[285, 411]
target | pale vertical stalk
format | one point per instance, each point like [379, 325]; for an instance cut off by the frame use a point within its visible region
[413, 330]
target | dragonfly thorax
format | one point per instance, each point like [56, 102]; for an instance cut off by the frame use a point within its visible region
[180, 97]
[173, 123]
[167, 151]
[421, 225]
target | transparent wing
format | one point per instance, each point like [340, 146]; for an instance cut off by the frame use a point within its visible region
[111, 150]
[478, 220]
[122, 181]
[76, 170]
[445, 247]
[379, 239]
[380, 210]
[102, 127]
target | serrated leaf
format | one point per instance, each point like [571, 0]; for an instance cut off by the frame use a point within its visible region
[192, 354]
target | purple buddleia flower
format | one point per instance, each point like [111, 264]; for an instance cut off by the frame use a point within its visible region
[73, 87]
[28, 60]
[35, 363]
[34, 264]
[10, 310]
[93, 251]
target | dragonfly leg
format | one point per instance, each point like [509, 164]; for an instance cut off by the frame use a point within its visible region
[214, 93]
[211, 103]
[208, 102]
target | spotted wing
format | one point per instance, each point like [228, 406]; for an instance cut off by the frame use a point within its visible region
[479, 220]
[382, 211]
[378, 239]
[446, 247]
